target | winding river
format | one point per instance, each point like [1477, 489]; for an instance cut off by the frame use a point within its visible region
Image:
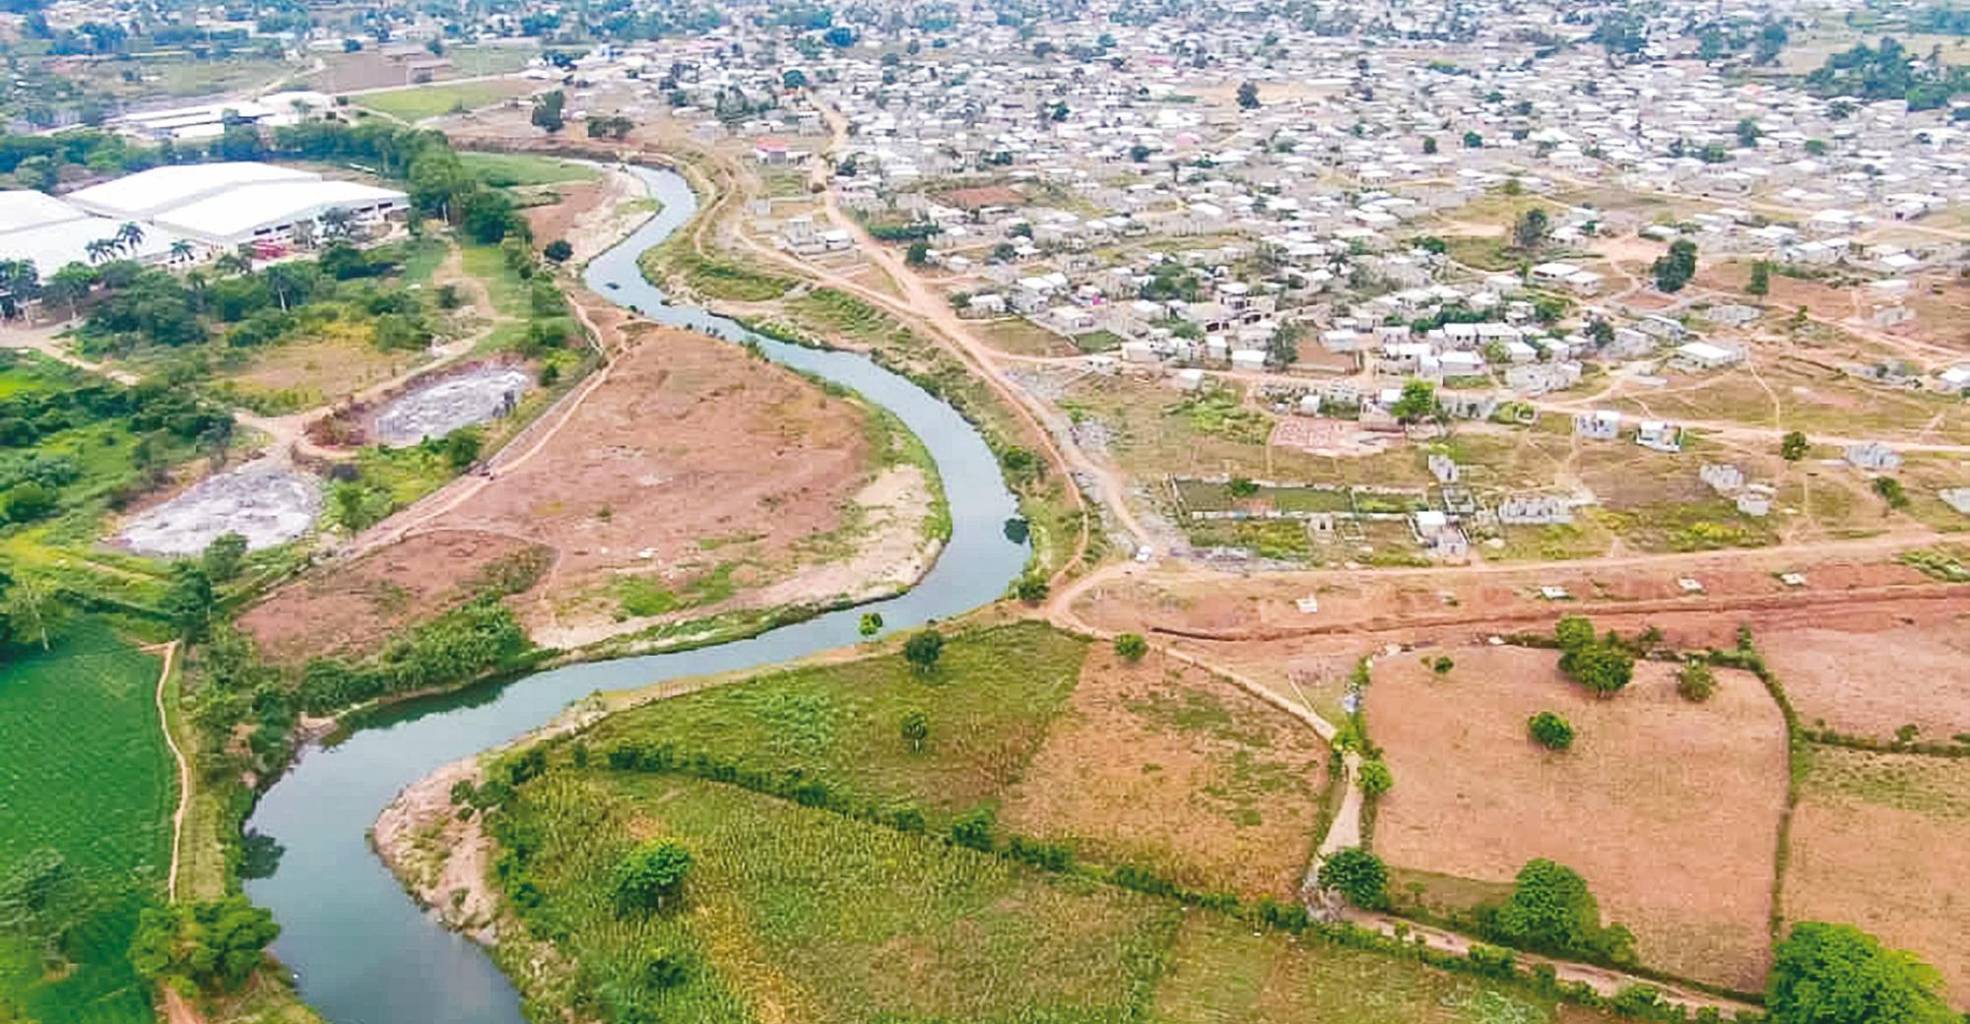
[363, 953]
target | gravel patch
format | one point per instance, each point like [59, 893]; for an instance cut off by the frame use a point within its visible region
[460, 400]
[266, 505]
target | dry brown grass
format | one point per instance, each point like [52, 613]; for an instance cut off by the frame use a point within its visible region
[1167, 766]
[1871, 675]
[1878, 841]
[1669, 809]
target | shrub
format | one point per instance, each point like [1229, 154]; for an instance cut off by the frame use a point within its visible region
[1492, 960]
[1376, 778]
[1441, 664]
[974, 830]
[1131, 647]
[1837, 974]
[1552, 911]
[1358, 875]
[651, 874]
[915, 729]
[1550, 730]
[923, 649]
[1695, 682]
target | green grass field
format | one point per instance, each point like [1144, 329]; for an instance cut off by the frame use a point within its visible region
[84, 771]
[419, 102]
[1221, 971]
[504, 170]
[989, 701]
[796, 913]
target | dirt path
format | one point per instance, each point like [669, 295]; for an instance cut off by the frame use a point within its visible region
[170, 651]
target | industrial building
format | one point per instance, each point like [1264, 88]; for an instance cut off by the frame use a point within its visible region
[215, 207]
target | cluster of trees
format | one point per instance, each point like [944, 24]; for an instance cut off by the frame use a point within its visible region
[1764, 39]
[1551, 911]
[36, 161]
[1890, 72]
[1838, 974]
[438, 182]
[209, 945]
[141, 305]
[1674, 269]
[1602, 664]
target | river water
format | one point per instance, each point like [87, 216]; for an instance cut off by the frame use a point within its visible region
[362, 952]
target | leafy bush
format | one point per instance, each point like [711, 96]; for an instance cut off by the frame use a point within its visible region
[1358, 875]
[1550, 730]
[1376, 778]
[1695, 682]
[651, 874]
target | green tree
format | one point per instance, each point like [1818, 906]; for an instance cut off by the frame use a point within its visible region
[1838, 974]
[651, 874]
[1416, 403]
[548, 111]
[1376, 778]
[1675, 268]
[871, 623]
[1130, 647]
[1793, 446]
[1550, 730]
[1429, 145]
[223, 557]
[922, 650]
[915, 729]
[190, 601]
[1574, 632]
[793, 78]
[1473, 140]
[213, 945]
[34, 609]
[558, 251]
[1760, 284]
[1552, 911]
[1530, 230]
[462, 447]
[1748, 133]
[974, 830]
[1248, 96]
[917, 254]
[1358, 875]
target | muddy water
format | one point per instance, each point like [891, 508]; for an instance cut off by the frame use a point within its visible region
[361, 951]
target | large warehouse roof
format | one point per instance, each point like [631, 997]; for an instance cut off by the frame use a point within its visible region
[147, 194]
[56, 245]
[22, 209]
[237, 213]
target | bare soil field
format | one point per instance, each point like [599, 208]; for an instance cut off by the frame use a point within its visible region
[1878, 841]
[351, 610]
[691, 475]
[1669, 809]
[1861, 672]
[589, 215]
[316, 372]
[1167, 766]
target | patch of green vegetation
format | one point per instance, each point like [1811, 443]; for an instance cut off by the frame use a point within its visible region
[1098, 341]
[644, 596]
[713, 277]
[84, 772]
[1220, 412]
[1687, 526]
[1921, 784]
[505, 170]
[1948, 563]
[1221, 970]
[989, 699]
[777, 905]
[420, 102]
[1284, 539]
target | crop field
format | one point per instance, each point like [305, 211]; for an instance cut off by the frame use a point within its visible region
[1679, 848]
[1221, 971]
[1165, 766]
[420, 102]
[1835, 671]
[84, 771]
[990, 701]
[1877, 840]
[792, 913]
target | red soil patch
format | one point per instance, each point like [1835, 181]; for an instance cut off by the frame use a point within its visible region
[1669, 809]
[1166, 766]
[351, 610]
[1878, 841]
[1870, 674]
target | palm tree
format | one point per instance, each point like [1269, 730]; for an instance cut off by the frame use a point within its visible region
[100, 249]
[181, 250]
[232, 263]
[129, 236]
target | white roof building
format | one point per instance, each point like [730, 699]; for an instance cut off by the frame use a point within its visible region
[146, 194]
[273, 208]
